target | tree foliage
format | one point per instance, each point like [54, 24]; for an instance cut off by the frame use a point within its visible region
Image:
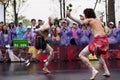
[5, 4]
[19, 4]
[25, 20]
[16, 7]
[98, 1]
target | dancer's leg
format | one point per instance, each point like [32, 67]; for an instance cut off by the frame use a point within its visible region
[47, 61]
[102, 61]
[39, 51]
[83, 56]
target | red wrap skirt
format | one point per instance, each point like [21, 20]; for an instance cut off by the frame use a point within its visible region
[99, 45]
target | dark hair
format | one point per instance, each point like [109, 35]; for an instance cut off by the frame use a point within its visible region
[33, 20]
[1, 22]
[83, 25]
[11, 26]
[74, 23]
[89, 13]
[118, 21]
[4, 31]
[39, 20]
[73, 42]
[81, 15]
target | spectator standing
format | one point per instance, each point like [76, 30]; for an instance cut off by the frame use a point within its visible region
[40, 23]
[81, 18]
[33, 25]
[112, 33]
[1, 27]
[84, 37]
[6, 36]
[55, 35]
[75, 31]
[12, 29]
[118, 32]
[20, 30]
[28, 36]
[64, 33]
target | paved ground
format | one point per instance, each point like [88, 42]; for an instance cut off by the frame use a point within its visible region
[74, 70]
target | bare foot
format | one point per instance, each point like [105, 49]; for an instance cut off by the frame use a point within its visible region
[45, 60]
[39, 51]
[106, 74]
[94, 74]
[46, 70]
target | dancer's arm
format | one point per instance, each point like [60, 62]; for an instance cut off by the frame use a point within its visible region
[43, 27]
[46, 25]
[85, 21]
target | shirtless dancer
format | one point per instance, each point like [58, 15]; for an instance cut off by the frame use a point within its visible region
[44, 31]
[99, 44]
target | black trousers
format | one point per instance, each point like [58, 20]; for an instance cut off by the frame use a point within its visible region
[40, 43]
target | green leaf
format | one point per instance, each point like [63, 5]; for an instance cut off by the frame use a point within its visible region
[70, 5]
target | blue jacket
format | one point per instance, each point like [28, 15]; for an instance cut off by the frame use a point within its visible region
[20, 31]
[65, 36]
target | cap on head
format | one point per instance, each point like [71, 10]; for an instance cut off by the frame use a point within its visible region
[111, 23]
[81, 15]
[10, 21]
[28, 27]
[20, 21]
[75, 23]
[64, 21]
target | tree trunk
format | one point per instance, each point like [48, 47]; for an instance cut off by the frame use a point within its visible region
[60, 9]
[95, 4]
[111, 10]
[15, 14]
[4, 14]
[64, 8]
[16, 19]
[106, 8]
[5, 5]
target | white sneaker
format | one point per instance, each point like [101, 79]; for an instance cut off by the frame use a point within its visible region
[27, 64]
[27, 61]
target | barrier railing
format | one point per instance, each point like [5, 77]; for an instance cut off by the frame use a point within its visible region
[19, 53]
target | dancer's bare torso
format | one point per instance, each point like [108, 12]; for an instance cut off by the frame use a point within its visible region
[95, 26]
[43, 30]
[45, 34]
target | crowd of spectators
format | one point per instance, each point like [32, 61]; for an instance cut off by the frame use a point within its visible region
[65, 33]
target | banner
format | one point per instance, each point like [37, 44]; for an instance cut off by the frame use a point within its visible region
[62, 53]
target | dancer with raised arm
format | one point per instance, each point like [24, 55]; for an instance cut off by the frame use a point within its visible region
[99, 45]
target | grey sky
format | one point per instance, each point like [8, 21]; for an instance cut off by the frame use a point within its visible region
[41, 9]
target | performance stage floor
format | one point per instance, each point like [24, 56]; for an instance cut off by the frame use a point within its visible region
[74, 70]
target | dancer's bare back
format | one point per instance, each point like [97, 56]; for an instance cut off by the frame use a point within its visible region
[95, 26]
